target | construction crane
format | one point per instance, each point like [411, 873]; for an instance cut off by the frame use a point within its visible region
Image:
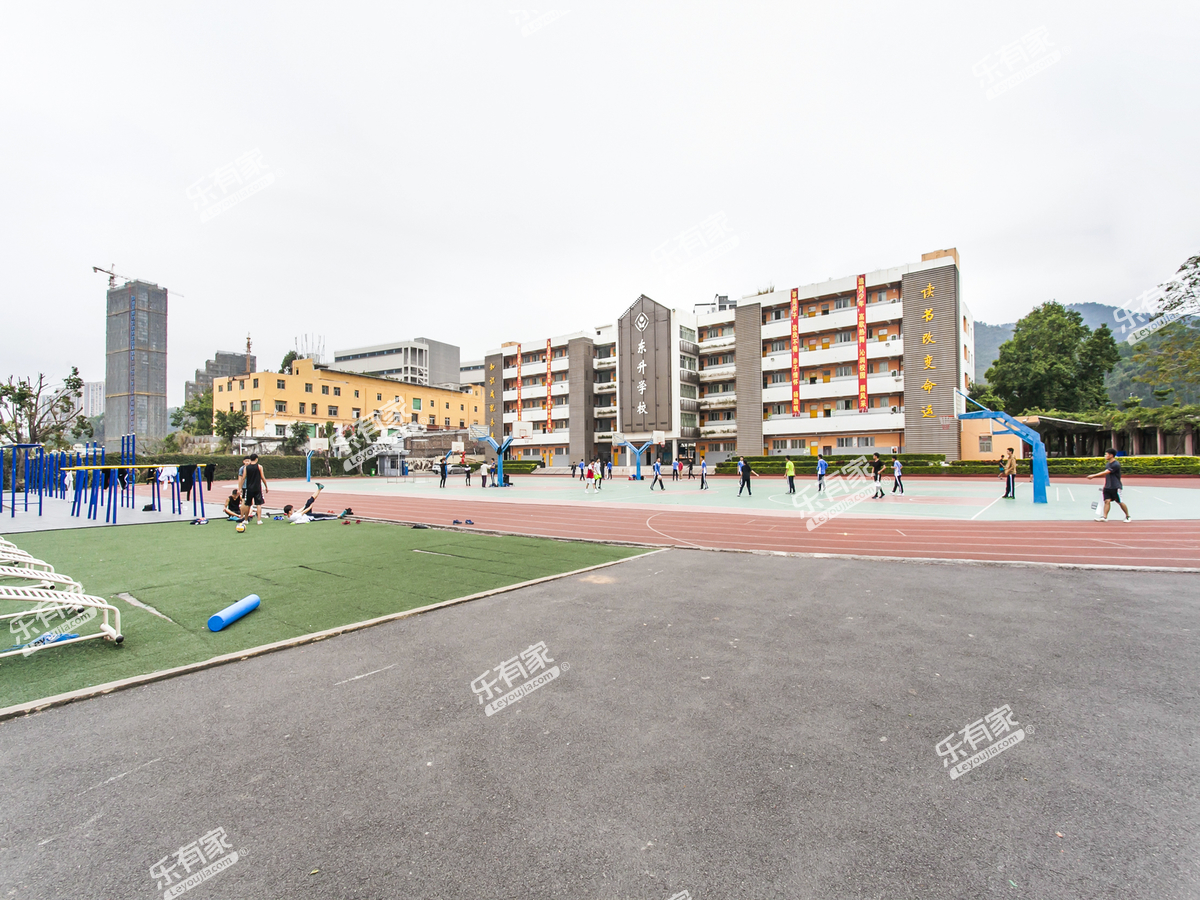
[112, 276]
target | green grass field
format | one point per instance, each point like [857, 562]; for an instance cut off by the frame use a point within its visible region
[310, 578]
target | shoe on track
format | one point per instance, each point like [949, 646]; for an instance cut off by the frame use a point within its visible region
[1101, 519]
[1129, 518]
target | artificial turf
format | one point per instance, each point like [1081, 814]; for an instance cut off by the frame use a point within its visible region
[311, 577]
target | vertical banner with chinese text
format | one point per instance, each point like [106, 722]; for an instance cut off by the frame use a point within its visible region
[549, 381]
[860, 302]
[795, 312]
[518, 382]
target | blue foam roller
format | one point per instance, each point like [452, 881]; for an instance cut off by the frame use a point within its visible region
[231, 614]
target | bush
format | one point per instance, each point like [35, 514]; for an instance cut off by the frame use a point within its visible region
[273, 466]
[520, 467]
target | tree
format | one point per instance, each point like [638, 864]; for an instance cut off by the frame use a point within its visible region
[1174, 359]
[196, 414]
[34, 413]
[983, 395]
[1053, 361]
[297, 438]
[230, 424]
[290, 357]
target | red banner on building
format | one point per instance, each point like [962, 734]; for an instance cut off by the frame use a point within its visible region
[860, 301]
[795, 352]
[549, 382]
[518, 382]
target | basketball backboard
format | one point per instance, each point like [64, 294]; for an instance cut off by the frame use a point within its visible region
[659, 437]
[522, 432]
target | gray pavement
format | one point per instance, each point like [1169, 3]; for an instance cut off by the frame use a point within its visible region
[733, 726]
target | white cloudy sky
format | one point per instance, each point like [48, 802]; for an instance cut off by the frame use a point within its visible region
[437, 172]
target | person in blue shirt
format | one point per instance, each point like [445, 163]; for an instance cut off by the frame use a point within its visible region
[897, 474]
[658, 476]
[821, 467]
[703, 474]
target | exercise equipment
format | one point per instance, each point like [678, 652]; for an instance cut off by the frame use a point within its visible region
[232, 613]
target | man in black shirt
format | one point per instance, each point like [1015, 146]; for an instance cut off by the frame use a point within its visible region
[1112, 485]
[877, 468]
[253, 484]
[443, 470]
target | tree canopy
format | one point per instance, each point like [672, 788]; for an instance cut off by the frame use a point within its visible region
[33, 412]
[196, 414]
[290, 357]
[229, 425]
[1053, 361]
[1171, 358]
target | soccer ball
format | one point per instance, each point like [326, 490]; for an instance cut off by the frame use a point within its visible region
[241, 526]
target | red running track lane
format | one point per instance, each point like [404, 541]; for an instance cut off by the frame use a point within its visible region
[1140, 543]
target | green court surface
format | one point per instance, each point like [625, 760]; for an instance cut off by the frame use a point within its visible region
[312, 578]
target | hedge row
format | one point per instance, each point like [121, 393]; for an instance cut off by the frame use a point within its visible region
[228, 464]
[1130, 465]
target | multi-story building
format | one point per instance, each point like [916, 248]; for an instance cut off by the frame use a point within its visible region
[419, 361]
[471, 372]
[91, 404]
[224, 364]
[135, 363]
[314, 394]
[823, 368]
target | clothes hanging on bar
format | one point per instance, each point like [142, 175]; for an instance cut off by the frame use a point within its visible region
[187, 475]
[210, 469]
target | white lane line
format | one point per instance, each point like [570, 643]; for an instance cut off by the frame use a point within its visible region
[119, 777]
[898, 531]
[133, 601]
[1114, 543]
[667, 536]
[1056, 497]
[986, 508]
[1069, 494]
[376, 672]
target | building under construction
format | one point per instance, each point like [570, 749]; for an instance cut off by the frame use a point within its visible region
[135, 363]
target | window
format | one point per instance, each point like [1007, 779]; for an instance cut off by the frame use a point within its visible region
[355, 413]
[447, 421]
[687, 334]
[475, 409]
[333, 410]
[356, 393]
[415, 418]
[280, 406]
[324, 389]
[845, 404]
[843, 371]
[242, 385]
[779, 445]
[780, 346]
[844, 337]
[280, 383]
[825, 310]
[243, 406]
[380, 397]
[462, 407]
[777, 314]
[307, 388]
[799, 444]
[462, 423]
[779, 377]
[688, 391]
[220, 388]
[337, 392]
[280, 431]
[985, 443]
[688, 362]
[255, 406]
[688, 420]
[302, 407]
[433, 420]
[845, 442]
[843, 302]
[866, 442]
[416, 404]
[447, 407]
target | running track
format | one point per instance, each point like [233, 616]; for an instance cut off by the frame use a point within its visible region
[1173, 544]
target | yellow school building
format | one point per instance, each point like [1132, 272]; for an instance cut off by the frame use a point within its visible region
[315, 394]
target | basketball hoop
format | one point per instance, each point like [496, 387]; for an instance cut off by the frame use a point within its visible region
[659, 437]
[478, 432]
[522, 432]
[947, 421]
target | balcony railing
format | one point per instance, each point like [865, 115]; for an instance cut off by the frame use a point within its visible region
[605, 387]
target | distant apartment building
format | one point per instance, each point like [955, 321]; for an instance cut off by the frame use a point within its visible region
[223, 365]
[471, 372]
[135, 363]
[91, 404]
[853, 365]
[419, 361]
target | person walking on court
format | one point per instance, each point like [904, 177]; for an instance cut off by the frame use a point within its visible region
[589, 478]
[896, 474]
[582, 465]
[599, 464]
[658, 476]
[789, 469]
[610, 470]
[744, 468]
[443, 470]
[253, 484]
[877, 469]
[483, 470]
[467, 466]
[676, 465]
[1010, 476]
[1112, 485]
[573, 464]
[691, 463]
[703, 474]
[822, 466]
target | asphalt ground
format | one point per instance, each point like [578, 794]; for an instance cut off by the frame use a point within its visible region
[730, 725]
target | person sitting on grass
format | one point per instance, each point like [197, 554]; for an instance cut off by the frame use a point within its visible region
[305, 513]
[233, 507]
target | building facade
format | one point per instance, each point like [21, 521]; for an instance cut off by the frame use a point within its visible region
[224, 364]
[91, 404]
[861, 364]
[315, 394]
[135, 363]
[419, 361]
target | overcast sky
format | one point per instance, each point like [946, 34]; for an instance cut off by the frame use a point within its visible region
[476, 174]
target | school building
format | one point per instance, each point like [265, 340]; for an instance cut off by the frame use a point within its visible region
[858, 364]
[314, 394]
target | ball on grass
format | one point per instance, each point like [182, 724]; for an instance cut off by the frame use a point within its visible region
[241, 526]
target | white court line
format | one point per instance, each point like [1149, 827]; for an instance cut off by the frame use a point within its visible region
[119, 777]
[986, 508]
[376, 672]
[1056, 497]
[898, 531]
[1069, 494]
